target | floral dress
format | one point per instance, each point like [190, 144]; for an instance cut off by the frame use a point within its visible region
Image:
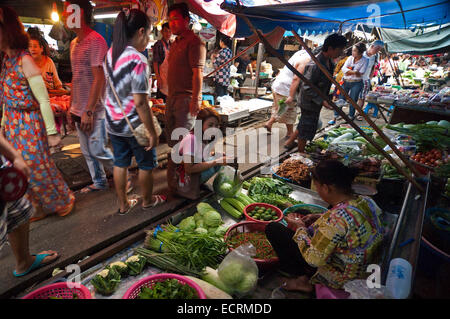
[25, 131]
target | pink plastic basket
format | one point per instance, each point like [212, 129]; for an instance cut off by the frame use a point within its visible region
[133, 291]
[59, 290]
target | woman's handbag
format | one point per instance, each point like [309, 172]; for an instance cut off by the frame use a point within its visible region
[140, 133]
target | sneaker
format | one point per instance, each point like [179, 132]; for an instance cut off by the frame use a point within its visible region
[332, 122]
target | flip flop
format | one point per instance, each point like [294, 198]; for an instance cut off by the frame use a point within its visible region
[132, 203]
[36, 264]
[91, 188]
[160, 199]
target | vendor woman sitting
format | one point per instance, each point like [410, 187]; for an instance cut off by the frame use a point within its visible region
[199, 164]
[40, 52]
[334, 247]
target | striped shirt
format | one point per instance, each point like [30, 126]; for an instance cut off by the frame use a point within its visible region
[84, 56]
[130, 76]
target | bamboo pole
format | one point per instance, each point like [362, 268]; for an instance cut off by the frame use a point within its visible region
[357, 107]
[326, 98]
[233, 58]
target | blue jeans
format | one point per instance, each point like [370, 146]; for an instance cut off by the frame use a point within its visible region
[353, 89]
[95, 152]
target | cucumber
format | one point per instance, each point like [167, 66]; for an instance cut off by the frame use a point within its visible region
[230, 209]
[235, 203]
[343, 137]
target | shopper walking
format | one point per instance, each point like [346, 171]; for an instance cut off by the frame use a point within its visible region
[354, 68]
[161, 51]
[310, 101]
[127, 93]
[87, 113]
[186, 62]
[223, 76]
[28, 121]
[284, 90]
[15, 219]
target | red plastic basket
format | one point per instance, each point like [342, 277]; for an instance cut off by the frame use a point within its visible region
[251, 227]
[133, 291]
[59, 290]
[251, 207]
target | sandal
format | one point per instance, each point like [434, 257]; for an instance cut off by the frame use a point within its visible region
[133, 202]
[36, 264]
[160, 199]
[91, 188]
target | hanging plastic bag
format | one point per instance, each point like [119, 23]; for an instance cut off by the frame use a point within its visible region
[238, 270]
[227, 183]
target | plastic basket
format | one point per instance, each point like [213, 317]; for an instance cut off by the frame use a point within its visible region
[133, 291]
[251, 207]
[317, 210]
[59, 290]
[252, 227]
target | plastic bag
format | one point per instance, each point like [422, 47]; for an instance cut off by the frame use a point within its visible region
[225, 184]
[358, 289]
[239, 271]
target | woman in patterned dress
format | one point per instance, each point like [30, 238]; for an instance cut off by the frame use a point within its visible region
[28, 122]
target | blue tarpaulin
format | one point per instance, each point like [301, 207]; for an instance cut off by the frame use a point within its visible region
[330, 16]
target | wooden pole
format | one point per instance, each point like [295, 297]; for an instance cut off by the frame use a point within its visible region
[357, 107]
[326, 98]
[233, 58]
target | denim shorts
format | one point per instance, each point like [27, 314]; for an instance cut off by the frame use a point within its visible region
[124, 148]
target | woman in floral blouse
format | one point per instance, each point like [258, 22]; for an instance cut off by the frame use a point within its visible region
[334, 247]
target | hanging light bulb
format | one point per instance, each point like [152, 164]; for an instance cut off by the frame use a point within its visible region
[55, 15]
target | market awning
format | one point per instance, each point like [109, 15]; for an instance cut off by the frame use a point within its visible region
[324, 16]
[420, 41]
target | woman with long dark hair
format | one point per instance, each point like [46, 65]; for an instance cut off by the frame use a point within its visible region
[40, 51]
[128, 72]
[334, 247]
[28, 120]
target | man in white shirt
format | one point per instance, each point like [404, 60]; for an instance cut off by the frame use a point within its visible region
[372, 55]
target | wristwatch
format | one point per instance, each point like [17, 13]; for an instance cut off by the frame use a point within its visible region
[89, 113]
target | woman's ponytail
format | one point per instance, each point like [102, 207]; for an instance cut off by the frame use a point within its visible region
[124, 29]
[120, 38]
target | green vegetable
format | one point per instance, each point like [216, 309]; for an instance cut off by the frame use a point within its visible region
[167, 262]
[342, 138]
[232, 274]
[211, 291]
[235, 203]
[268, 185]
[168, 289]
[211, 276]
[212, 219]
[248, 283]
[244, 199]
[280, 201]
[221, 231]
[224, 186]
[426, 136]
[444, 123]
[201, 230]
[187, 224]
[203, 208]
[106, 282]
[282, 106]
[231, 210]
[120, 267]
[136, 264]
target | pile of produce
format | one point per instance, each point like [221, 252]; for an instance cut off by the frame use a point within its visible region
[270, 191]
[262, 213]
[264, 249]
[431, 158]
[190, 249]
[235, 206]
[293, 169]
[206, 220]
[390, 172]
[168, 289]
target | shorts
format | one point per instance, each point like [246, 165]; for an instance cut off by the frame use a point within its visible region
[14, 214]
[307, 125]
[289, 116]
[365, 90]
[124, 148]
[178, 116]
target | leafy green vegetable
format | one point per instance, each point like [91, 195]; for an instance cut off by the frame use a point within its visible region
[136, 264]
[282, 202]
[212, 219]
[168, 289]
[201, 230]
[224, 185]
[187, 224]
[106, 282]
[268, 185]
